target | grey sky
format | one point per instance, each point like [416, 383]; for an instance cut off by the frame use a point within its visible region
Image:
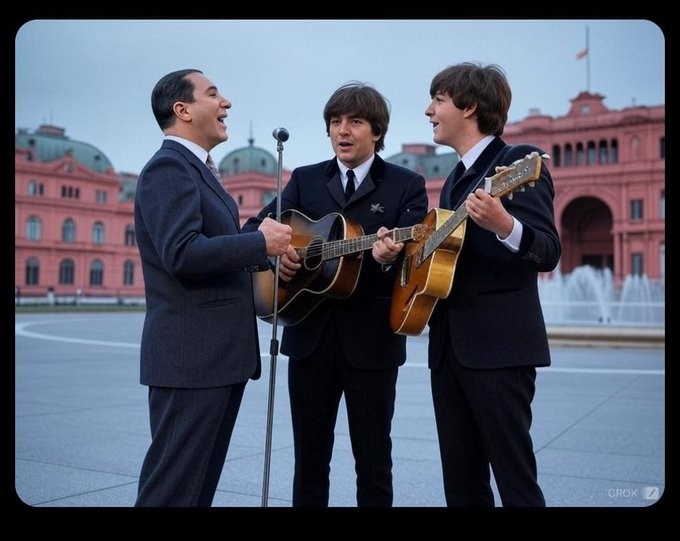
[94, 77]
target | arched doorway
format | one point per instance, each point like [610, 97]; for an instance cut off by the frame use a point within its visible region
[586, 233]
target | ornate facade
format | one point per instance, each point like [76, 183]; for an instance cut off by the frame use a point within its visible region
[74, 231]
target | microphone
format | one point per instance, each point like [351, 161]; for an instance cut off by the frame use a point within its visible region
[280, 134]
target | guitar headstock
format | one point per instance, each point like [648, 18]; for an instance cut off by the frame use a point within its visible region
[524, 171]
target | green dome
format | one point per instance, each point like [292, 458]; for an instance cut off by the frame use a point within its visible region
[49, 143]
[429, 165]
[250, 159]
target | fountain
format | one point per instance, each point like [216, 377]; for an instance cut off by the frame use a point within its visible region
[588, 297]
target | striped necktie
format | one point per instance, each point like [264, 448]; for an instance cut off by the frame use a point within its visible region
[213, 169]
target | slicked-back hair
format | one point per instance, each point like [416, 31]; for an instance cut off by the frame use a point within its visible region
[171, 88]
[360, 100]
[486, 86]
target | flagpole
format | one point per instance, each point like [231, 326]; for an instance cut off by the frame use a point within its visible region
[587, 61]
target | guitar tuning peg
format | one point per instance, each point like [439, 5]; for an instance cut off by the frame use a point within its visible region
[545, 156]
[532, 183]
[510, 196]
[522, 189]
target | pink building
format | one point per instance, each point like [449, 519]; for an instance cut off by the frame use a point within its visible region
[609, 170]
[74, 230]
[73, 237]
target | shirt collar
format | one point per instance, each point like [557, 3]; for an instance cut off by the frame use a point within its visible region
[471, 155]
[197, 150]
[360, 171]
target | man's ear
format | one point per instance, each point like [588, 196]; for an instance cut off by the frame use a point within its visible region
[181, 110]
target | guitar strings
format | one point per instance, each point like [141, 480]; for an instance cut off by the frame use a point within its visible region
[336, 248]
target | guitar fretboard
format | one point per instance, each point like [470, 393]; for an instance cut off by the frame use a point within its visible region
[439, 236]
[500, 184]
[339, 248]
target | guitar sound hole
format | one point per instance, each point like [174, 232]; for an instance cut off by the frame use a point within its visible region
[314, 255]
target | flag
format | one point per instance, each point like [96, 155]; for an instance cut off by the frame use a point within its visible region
[582, 54]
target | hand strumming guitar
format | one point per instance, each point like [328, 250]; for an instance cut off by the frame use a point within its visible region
[289, 264]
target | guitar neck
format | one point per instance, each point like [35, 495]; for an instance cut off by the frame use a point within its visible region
[502, 183]
[339, 248]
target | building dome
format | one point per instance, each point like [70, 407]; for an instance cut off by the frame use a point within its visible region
[49, 143]
[423, 159]
[250, 159]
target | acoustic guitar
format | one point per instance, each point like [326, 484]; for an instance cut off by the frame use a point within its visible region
[426, 271]
[331, 251]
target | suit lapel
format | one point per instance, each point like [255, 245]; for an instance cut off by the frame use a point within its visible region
[226, 198]
[369, 184]
[209, 179]
[453, 196]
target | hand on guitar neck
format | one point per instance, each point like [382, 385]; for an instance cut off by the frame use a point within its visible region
[385, 249]
[427, 269]
[324, 260]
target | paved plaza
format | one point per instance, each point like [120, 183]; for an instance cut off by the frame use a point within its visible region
[81, 424]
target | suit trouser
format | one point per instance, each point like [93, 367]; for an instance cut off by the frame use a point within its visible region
[190, 433]
[316, 384]
[483, 419]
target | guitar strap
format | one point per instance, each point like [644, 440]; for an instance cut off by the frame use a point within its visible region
[476, 182]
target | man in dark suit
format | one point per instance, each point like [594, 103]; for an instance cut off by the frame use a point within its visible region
[199, 343]
[487, 338]
[345, 346]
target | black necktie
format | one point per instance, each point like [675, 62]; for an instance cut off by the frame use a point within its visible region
[458, 171]
[455, 193]
[349, 187]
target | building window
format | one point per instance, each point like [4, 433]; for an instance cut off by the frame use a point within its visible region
[69, 192]
[662, 205]
[130, 239]
[66, 272]
[604, 153]
[32, 272]
[96, 273]
[592, 153]
[662, 261]
[68, 230]
[636, 268]
[35, 188]
[240, 200]
[556, 155]
[100, 196]
[662, 148]
[128, 273]
[98, 233]
[33, 228]
[636, 209]
[568, 155]
[580, 154]
[614, 151]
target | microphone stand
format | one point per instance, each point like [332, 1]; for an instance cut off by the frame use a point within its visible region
[274, 343]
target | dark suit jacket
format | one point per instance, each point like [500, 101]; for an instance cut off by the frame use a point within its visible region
[200, 328]
[390, 196]
[494, 317]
